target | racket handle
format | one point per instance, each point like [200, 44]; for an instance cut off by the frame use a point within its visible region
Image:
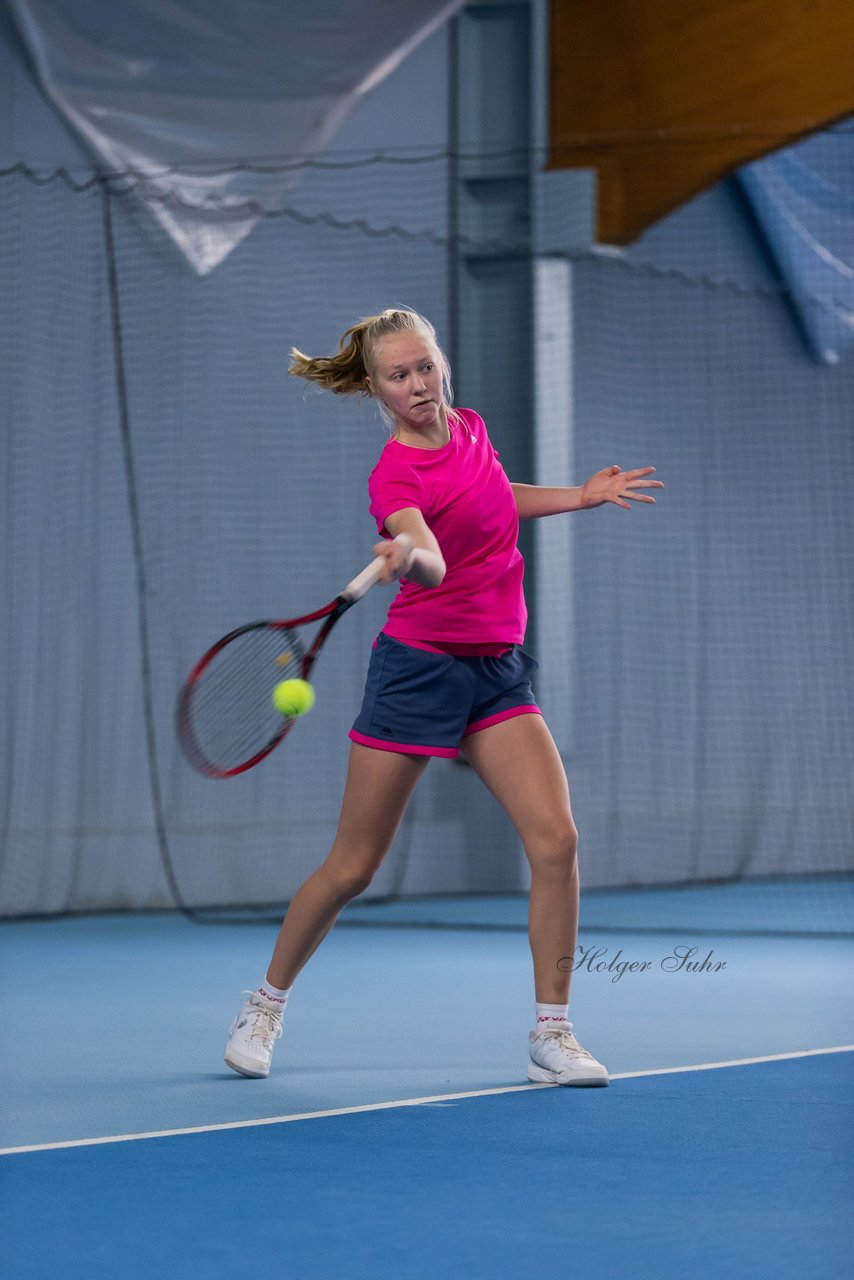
[370, 575]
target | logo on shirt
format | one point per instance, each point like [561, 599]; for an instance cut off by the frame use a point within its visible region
[474, 439]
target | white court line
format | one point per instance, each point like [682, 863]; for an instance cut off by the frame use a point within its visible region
[405, 1102]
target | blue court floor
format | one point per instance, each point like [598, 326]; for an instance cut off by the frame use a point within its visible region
[134, 1040]
[114, 1026]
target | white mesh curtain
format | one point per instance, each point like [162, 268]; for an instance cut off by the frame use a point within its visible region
[171, 89]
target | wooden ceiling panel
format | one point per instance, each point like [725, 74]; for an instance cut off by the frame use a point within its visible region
[665, 97]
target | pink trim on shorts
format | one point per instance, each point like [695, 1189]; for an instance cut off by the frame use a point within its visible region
[502, 715]
[407, 748]
[487, 650]
[419, 644]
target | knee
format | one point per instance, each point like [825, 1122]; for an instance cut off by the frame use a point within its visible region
[348, 880]
[554, 850]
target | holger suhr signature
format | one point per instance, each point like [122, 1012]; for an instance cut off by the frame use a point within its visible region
[681, 959]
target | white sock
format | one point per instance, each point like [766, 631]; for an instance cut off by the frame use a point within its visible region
[274, 995]
[552, 1014]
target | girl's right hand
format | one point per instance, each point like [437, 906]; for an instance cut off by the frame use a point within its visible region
[398, 557]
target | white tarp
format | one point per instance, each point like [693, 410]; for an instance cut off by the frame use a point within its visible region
[205, 101]
[803, 198]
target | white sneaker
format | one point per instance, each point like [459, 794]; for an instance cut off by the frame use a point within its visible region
[558, 1058]
[252, 1037]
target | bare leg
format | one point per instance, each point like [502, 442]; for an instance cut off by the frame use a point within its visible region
[379, 785]
[520, 764]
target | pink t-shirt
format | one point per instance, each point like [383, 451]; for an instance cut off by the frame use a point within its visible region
[466, 499]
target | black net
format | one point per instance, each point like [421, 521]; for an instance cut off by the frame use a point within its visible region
[164, 481]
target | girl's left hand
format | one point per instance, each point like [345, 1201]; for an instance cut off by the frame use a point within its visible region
[614, 485]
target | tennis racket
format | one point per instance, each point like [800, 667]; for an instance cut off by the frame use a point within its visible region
[225, 716]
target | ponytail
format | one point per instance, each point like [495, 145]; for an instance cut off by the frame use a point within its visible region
[345, 372]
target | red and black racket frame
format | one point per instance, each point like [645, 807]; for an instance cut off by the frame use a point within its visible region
[331, 612]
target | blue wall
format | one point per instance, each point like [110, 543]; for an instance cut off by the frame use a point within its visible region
[708, 733]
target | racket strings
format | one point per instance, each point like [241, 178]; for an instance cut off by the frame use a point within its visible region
[230, 717]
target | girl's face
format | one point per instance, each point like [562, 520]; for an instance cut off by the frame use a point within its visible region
[407, 377]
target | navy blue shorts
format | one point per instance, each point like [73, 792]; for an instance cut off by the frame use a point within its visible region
[424, 703]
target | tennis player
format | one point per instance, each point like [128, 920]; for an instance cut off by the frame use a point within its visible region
[447, 675]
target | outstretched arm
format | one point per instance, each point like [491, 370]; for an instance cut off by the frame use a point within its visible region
[609, 485]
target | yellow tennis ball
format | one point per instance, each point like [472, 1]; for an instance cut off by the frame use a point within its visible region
[293, 697]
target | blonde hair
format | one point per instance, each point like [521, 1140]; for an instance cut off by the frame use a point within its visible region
[346, 372]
